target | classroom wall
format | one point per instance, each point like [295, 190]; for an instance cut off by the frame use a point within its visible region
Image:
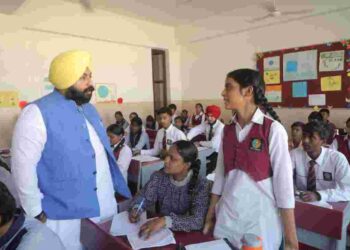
[120, 47]
[209, 52]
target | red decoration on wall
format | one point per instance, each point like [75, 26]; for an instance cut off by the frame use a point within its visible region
[120, 100]
[22, 104]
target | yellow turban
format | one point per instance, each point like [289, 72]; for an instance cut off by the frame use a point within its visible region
[68, 67]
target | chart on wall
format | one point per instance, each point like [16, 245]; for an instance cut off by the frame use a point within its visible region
[314, 75]
[105, 92]
[300, 65]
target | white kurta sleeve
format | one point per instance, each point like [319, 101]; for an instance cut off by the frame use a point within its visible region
[28, 142]
[219, 180]
[342, 179]
[157, 145]
[197, 130]
[281, 164]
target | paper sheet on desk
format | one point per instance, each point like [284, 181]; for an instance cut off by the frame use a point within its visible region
[316, 203]
[122, 226]
[144, 158]
[162, 238]
[210, 245]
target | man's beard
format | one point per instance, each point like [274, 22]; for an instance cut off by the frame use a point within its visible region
[80, 97]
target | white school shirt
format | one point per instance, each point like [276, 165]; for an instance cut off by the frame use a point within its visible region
[28, 142]
[332, 174]
[124, 160]
[238, 214]
[144, 140]
[335, 145]
[215, 141]
[173, 134]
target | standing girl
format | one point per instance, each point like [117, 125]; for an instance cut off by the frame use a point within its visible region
[253, 187]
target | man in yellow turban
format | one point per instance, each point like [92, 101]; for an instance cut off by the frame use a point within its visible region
[62, 162]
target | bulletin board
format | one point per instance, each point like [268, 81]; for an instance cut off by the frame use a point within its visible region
[316, 75]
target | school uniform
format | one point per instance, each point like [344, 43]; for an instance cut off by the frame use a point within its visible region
[29, 233]
[198, 119]
[329, 174]
[254, 178]
[292, 145]
[164, 139]
[332, 129]
[138, 141]
[124, 123]
[123, 155]
[213, 133]
[174, 117]
[342, 144]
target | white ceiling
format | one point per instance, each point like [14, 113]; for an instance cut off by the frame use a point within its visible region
[179, 12]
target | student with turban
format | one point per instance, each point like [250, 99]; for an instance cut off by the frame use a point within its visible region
[63, 165]
[212, 129]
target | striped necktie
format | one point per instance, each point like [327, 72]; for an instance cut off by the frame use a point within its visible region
[311, 177]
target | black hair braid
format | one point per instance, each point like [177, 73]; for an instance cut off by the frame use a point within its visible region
[260, 99]
[195, 166]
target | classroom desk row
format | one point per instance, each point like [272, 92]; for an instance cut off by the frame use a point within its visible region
[317, 228]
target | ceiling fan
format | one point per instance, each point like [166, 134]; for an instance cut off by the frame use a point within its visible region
[274, 12]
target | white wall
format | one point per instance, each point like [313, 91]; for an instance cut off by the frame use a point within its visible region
[120, 47]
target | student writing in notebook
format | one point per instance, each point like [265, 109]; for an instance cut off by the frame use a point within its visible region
[166, 136]
[253, 187]
[182, 195]
[322, 174]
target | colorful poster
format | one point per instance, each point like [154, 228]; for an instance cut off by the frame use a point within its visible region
[105, 92]
[9, 99]
[300, 66]
[317, 100]
[273, 93]
[272, 63]
[299, 89]
[331, 83]
[272, 77]
[332, 61]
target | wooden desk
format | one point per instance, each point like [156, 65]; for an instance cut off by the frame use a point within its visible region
[97, 237]
[323, 228]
